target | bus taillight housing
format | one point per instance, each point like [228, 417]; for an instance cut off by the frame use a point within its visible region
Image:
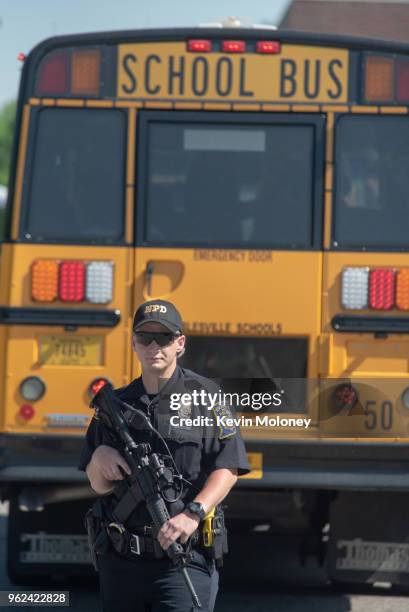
[70, 72]
[72, 281]
[375, 289]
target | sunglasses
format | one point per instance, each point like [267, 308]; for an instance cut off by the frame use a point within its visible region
[161, 338]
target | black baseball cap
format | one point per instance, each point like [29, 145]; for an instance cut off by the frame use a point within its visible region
[158, 311]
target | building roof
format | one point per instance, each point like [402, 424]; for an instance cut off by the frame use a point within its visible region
[385, 19]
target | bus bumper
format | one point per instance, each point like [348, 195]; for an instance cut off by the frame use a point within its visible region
[297, 464]
[324, 464]
[40, 458]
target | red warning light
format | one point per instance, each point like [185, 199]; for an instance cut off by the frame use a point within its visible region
[233, 46]
[268, 46]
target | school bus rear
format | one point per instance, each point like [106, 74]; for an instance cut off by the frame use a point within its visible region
[249, 177]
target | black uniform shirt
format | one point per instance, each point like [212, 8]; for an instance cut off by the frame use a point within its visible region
[197, 450]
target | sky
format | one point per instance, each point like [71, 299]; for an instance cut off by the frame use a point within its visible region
[24, 23]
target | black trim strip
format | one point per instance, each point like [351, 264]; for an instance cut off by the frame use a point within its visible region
[59, 316]
[357, 324]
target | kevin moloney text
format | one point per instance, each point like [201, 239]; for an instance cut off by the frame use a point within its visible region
[223, 421]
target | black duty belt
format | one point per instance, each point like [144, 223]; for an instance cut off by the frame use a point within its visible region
[127, 542]
[140, 542]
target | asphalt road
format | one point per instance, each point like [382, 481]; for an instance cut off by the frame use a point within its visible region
[298, 591]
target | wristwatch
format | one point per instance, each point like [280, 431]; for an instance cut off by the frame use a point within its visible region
[196, 508]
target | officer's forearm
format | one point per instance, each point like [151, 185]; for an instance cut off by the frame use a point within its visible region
[216, 487]
[100, 484]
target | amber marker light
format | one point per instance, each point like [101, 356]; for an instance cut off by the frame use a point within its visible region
[379, 79]
[85, 72]
[402, 289]
[44, 280]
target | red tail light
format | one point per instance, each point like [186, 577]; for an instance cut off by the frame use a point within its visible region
[402, 81]
[233, 46]
[345, 396]
[72, 281]
[53, 76]
[26, 412]
[381, 289]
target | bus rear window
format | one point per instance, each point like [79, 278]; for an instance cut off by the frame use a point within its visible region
[76, 191]
[228, 184]
[372, 182]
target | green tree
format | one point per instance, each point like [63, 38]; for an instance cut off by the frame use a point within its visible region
[7, 116]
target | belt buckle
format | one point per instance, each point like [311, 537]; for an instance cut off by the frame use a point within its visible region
[134, 539]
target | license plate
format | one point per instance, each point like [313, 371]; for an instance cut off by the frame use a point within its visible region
[78, 350]
[256, 465]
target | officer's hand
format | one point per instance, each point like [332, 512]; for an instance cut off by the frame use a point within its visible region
[182, 525]
[108, 460]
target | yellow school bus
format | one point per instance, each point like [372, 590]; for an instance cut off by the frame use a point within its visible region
[259, 180]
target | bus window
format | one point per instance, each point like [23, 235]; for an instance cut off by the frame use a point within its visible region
[232, 184]
[76, 189]
[372, 182]
[256, 364]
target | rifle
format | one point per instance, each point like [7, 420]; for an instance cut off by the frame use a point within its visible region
[147, 470]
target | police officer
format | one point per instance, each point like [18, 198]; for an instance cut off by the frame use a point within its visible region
[209, 458]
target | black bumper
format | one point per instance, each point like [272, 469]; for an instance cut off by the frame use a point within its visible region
[40, 458]
[332, 464]
[301, 464]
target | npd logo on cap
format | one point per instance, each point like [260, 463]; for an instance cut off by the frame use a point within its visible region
[155, 308]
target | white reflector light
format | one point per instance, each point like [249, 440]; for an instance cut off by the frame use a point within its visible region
[99, 282]
[355, 288]
[32, 388]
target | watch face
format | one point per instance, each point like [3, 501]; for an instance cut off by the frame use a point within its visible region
[196, 508]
